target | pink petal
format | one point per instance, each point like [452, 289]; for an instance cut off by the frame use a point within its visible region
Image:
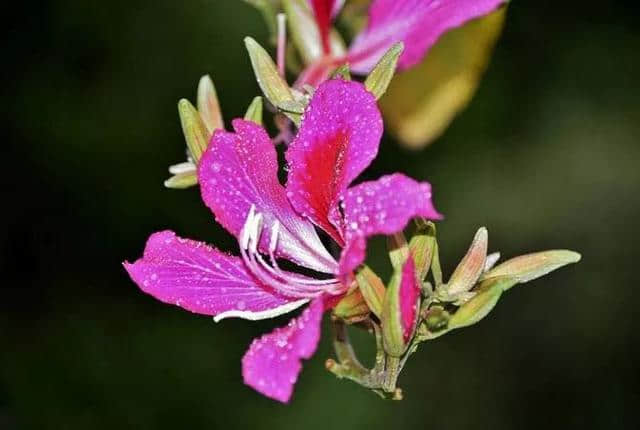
[322, 10]
[384, 206]
[239, 170]
[418, 23]
[201, 279]
[273, 362]
[338, 139]
[409, 295]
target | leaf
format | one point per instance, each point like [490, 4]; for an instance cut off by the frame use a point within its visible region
[421, 102]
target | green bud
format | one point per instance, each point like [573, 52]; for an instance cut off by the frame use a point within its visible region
[436, 319]
[471, 266]
[352, 308]
[422, 246]
[208, 105]
[487, 295]
[528, 267]
[372, 289]
[395, 335]
[254, 111]
[193, 128]
[380, 77]
[271, 83]
[398, 249]
[182, 180]
[342, 72]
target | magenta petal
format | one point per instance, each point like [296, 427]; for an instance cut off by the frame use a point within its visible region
[239, 170]
[201, 279]
[417, 23]
[273, 362]
[409, 295]
[384, 206]
[338, 139]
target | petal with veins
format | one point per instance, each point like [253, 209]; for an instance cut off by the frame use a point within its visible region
[239, 170]
[417, 23]
[338, 139]
[273, 362]
[204, 280]
[384, 206]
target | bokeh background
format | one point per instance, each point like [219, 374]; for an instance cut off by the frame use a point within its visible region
[546, 156]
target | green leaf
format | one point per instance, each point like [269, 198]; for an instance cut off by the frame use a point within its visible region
[193, 128]
[528, 267]
[372, 289]
[254, 111]
[471, 265]
[422, 101]
[208, 105]
[380, 77]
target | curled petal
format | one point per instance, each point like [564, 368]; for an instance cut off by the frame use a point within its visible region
[338, 139]
[273, 362]
[201, 279]
[417, 23]
[384, 206]
[239, 170]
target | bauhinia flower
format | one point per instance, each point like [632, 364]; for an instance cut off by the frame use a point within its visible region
[416, 23]
[238, 175]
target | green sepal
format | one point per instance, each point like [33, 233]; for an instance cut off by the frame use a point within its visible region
[352, 307]
[193, 128]
[471, 266]
[398, 250]
[271, 83]
[422, 247]
[208, 105]
[392, 331]
[380, 77]
[254, 111]
[182, 180]
[372, 289]
[487, 295]
[528, 267]
[343, 72]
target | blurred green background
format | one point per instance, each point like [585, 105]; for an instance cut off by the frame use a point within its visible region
[546, 156]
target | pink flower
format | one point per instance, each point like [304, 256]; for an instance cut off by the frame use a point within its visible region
[417, 23]
[337, 140]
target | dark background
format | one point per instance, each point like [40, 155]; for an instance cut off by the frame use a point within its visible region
[546, 156]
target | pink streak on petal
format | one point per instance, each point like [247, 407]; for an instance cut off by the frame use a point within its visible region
[409, 294]
[338, 139]
[199, 278]
[418, 23]
[384, 206]
[322, 10]
[239, 170]
[273, 362]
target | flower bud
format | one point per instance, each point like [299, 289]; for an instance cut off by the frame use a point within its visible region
[528, 267]
[352, 307]
[422, 247]
[254, 111]
[208, 105]
[487, 295]
[380, 77]
[471, 266]
[372, 289]
[193, 128]
[398, 250]
[436, 319]
[400, 309]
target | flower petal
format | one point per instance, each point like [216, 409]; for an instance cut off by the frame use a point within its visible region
[273, 362]
[338, 139]
[239, 170]
[322, 10]
[409, 295]
[384, 206]
[417, 23]
[204, 280]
